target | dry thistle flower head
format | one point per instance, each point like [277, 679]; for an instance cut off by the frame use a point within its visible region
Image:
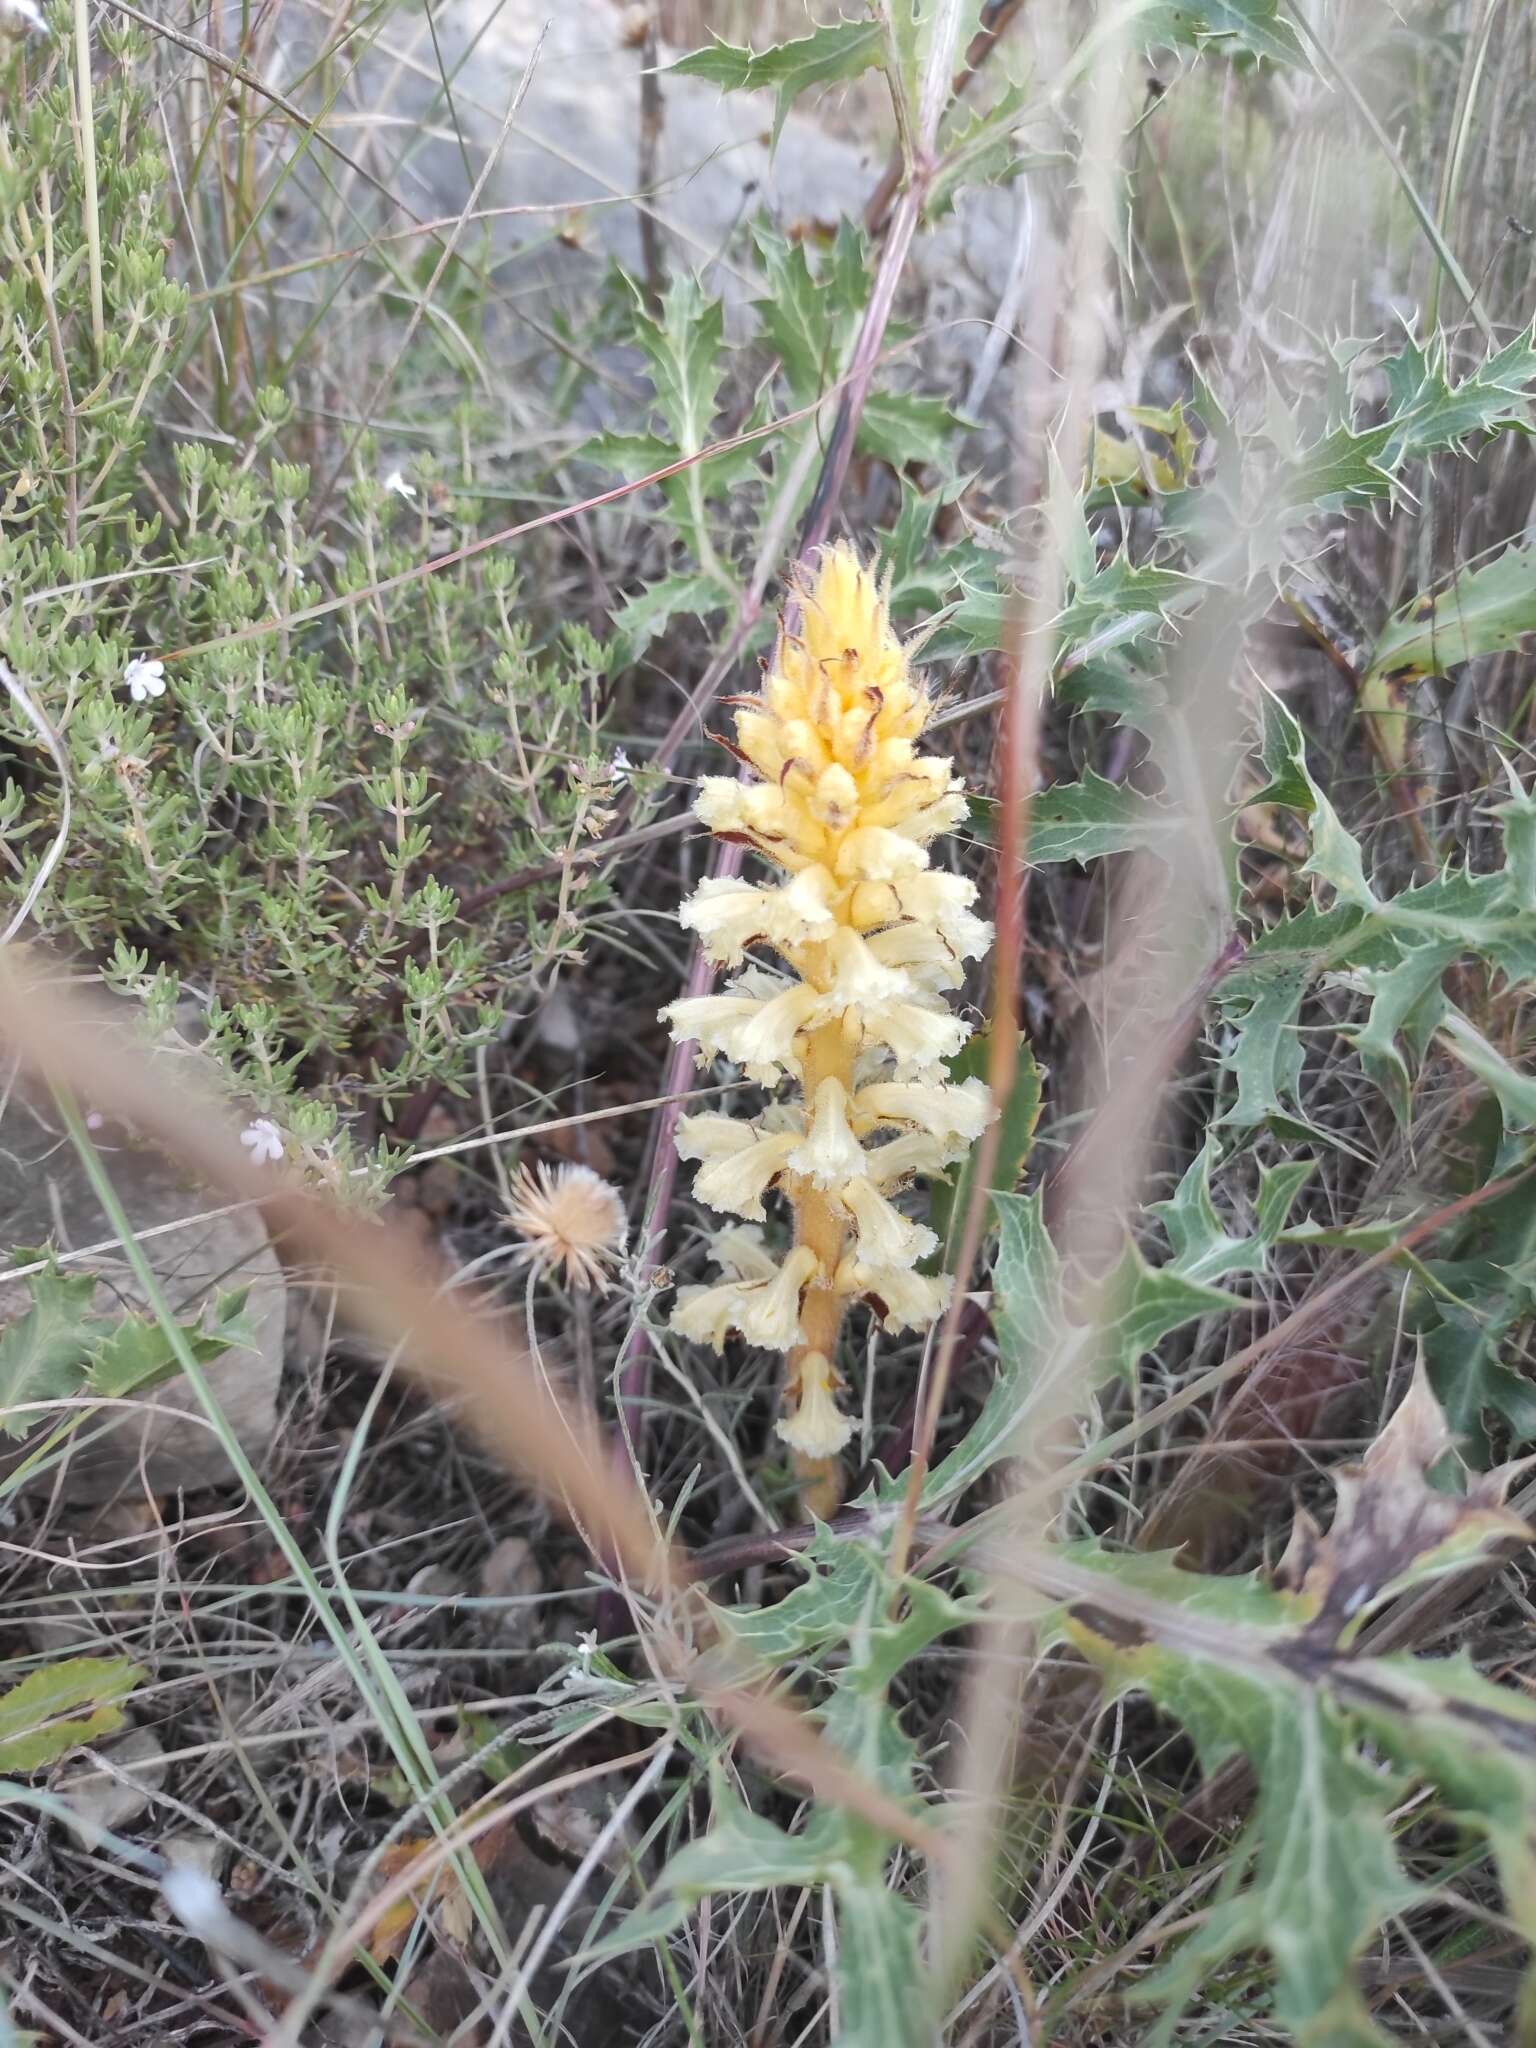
[571, 1220]
[870, 937]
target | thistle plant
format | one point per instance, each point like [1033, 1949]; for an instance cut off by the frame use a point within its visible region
[854, 1019]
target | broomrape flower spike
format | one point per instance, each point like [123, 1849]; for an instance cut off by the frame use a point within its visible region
[869, 938]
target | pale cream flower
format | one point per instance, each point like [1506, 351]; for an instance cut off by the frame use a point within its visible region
[902, 1299]
[757, 1032]
[571, 1221]
[765, 1312]
[818, 1428]
[892, 1165]
[920, 1036]
[873, 853]
[742, 1254]
[885, 1236]
[829, 1153]
[739, 1163]
[730, 915]
[943, 1109]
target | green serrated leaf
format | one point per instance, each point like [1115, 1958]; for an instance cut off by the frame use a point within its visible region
[840, 51]
[948, 1203]
[43, 1354]
[1488, 1283]
[1254, 26]
[54, 1710]
[136, 1353]
[1483, 611]
[1122, 601]
[1344, 469]
[903, 427]
[983, 148]
[1428, 412]
[644, 617]
[883, 1996]
[1090, 819]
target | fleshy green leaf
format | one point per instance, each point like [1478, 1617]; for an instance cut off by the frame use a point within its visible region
[53, 1710]
[828, 56]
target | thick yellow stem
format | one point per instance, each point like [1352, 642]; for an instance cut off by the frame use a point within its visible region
[821, 1223]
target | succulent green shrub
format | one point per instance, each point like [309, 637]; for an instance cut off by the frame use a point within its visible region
[284, 822]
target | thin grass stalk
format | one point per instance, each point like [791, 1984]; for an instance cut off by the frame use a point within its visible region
[989, 1708]
[388, 1287]
[363, 1666]
[86, 115]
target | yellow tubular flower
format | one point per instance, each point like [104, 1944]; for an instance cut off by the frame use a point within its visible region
[868, 936]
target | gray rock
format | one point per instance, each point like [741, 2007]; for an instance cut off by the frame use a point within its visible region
[115, 1783]
[46, 1199]
[573, 149]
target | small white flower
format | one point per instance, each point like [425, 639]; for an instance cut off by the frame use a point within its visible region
[264, 1140]
[143, 679]
[396, 482]
[586, 1643]
[620, 768]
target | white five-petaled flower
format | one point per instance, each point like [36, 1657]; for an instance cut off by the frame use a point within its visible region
[143, 679]
[396, 482]
[264, 1140]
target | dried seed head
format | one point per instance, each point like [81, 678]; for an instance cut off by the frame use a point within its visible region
[571, 1220]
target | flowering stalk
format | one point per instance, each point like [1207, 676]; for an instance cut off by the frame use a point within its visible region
[869, 937]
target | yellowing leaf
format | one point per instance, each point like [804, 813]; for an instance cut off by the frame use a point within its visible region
[53, 1710]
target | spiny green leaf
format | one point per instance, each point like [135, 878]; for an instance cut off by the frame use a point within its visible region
[1343, 469]
[136, 1353]
[949, 1203]
[903, 427]
[43, 1353]
[882, 1993]
[1120, 602]
[1483, 610]
[1256, 26]
[848, 1600]
[1034, 1334]
[1087, 820]
[1429, 412]
[642, 618]
[1487, 1291]
[53, 1710]
[983, 148]
[840, 51]
[1515, 1091]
